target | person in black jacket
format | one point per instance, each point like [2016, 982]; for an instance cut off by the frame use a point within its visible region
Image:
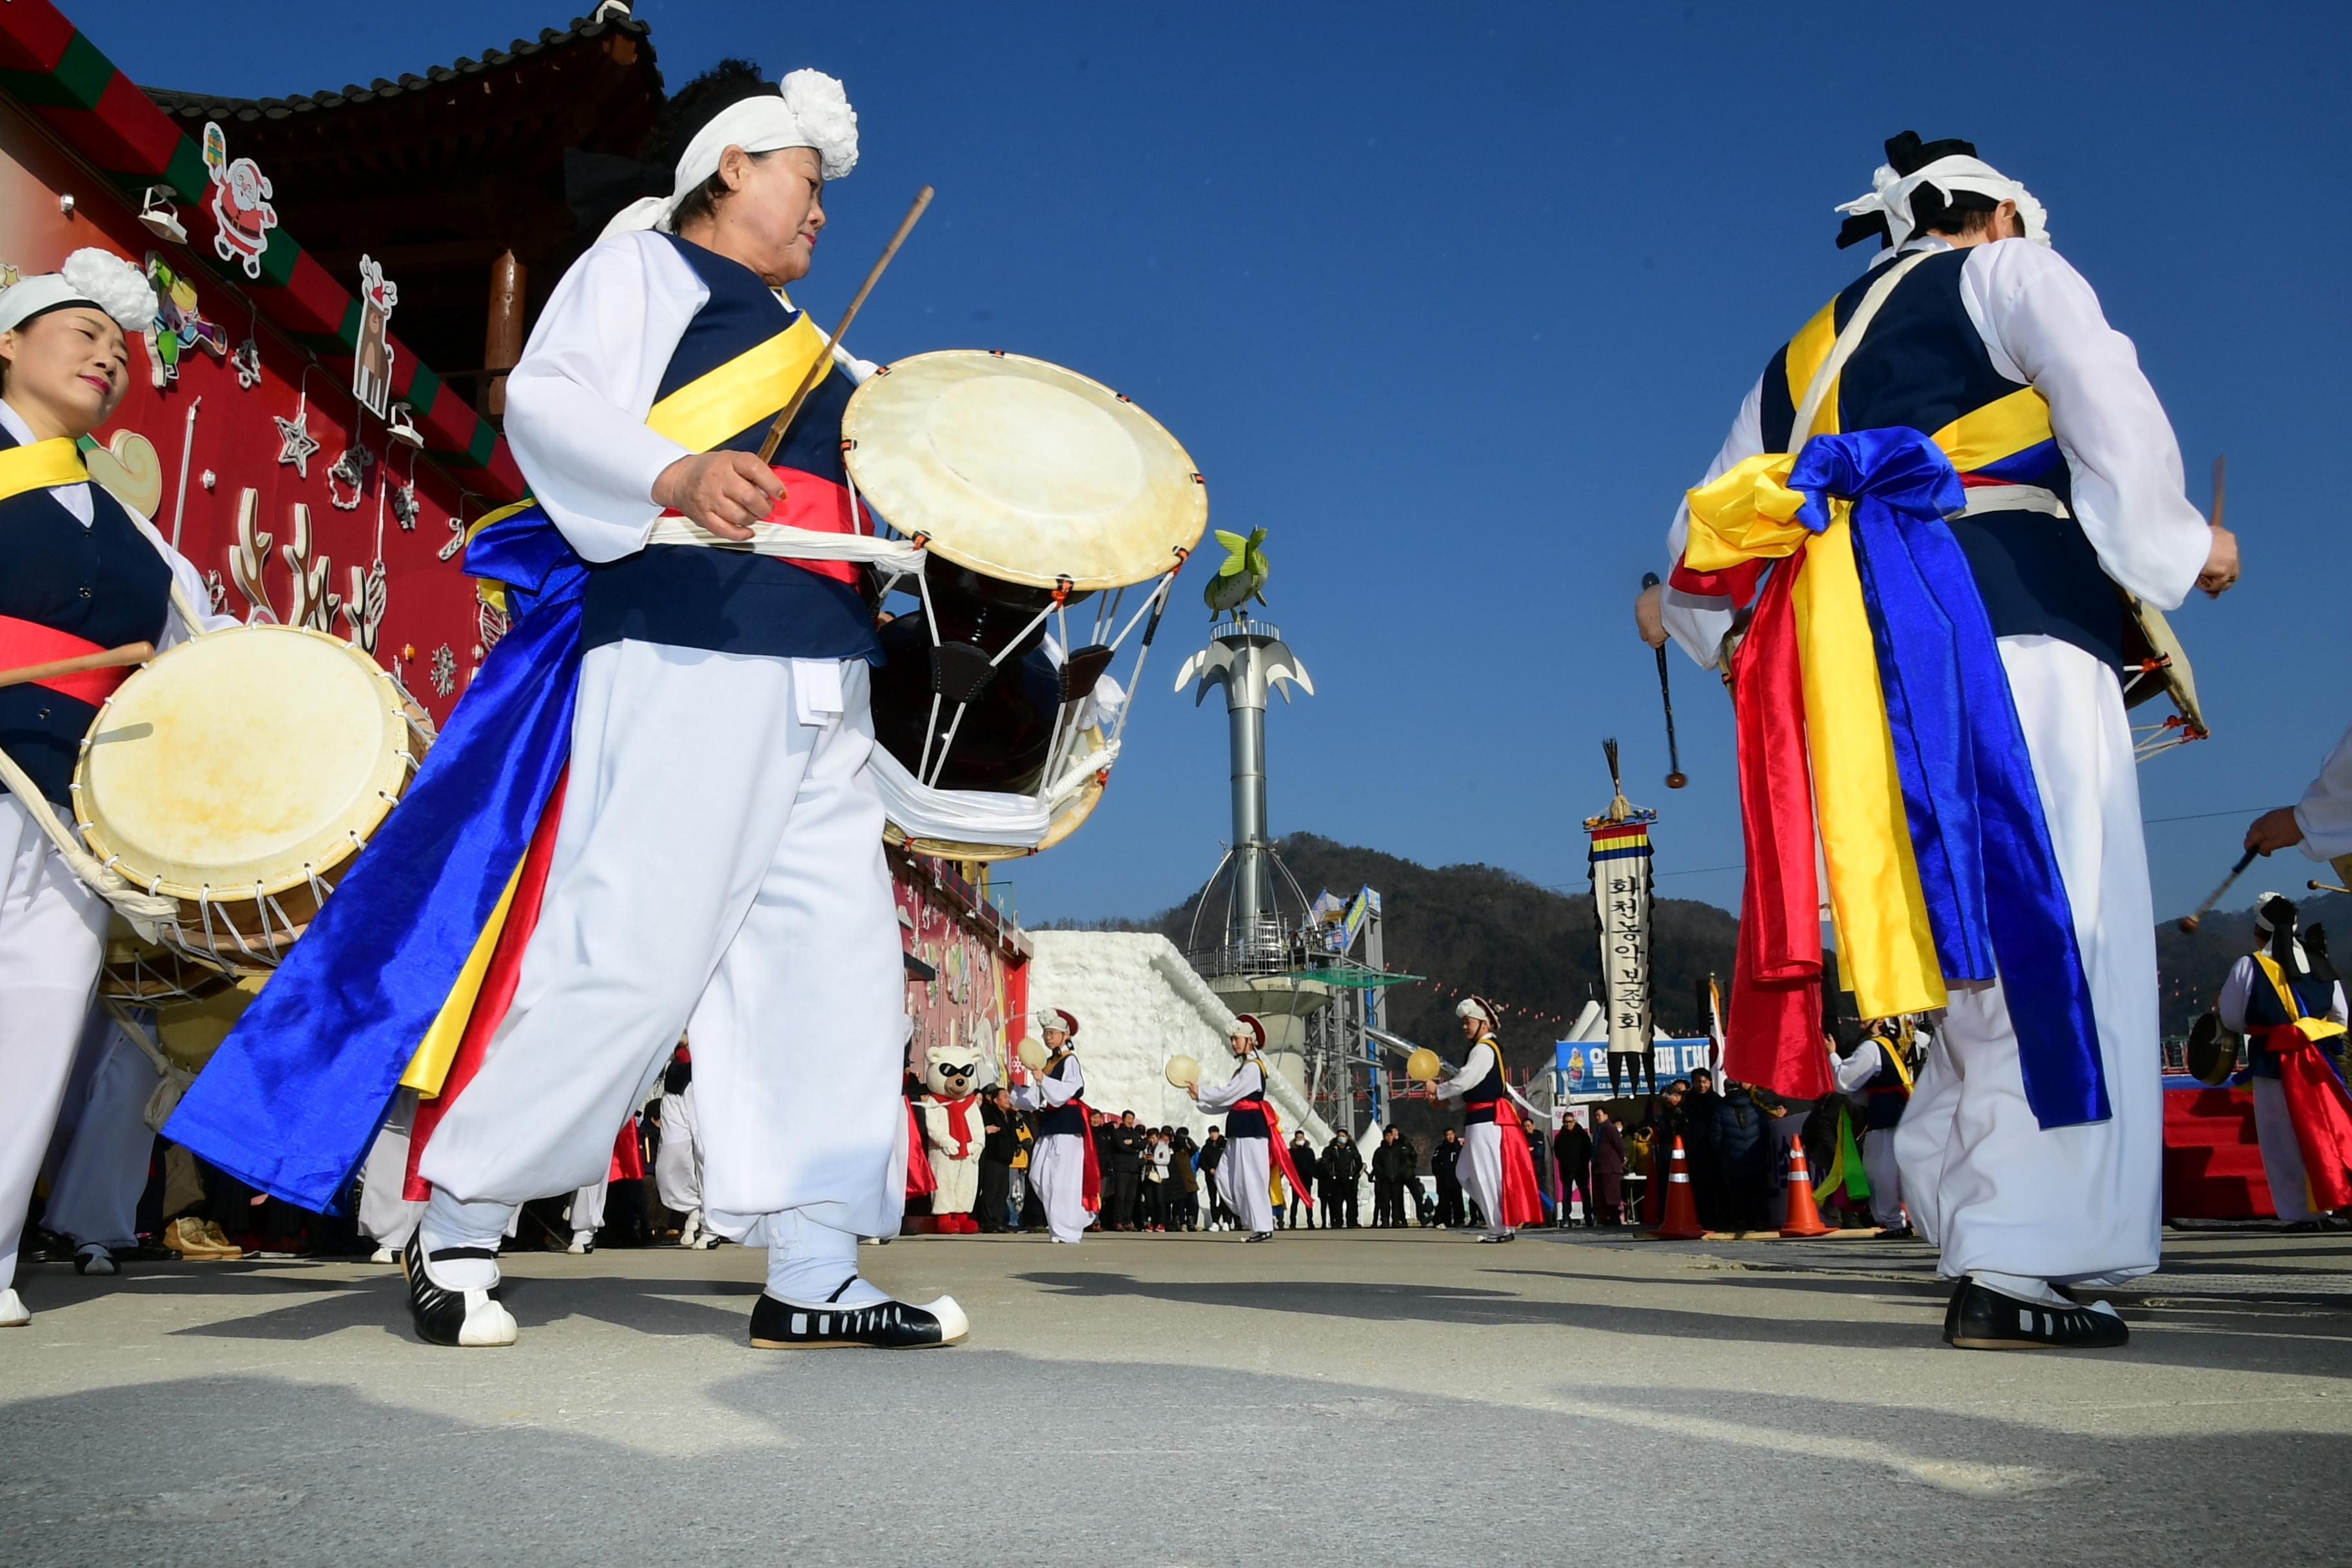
[1609, 1161]
[1343, 1172]
[1392, 1173]
[1571, 1150]
[1441, 1162]
[1743, 1161]
[1123, 1175]
[999, 1142]
[1302, 1154]
[1700, 1131]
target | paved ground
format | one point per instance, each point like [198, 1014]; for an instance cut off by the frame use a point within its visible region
[1373, 1397]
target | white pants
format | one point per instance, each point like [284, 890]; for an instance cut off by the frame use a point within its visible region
[677, 1164]
[1246, 1177]
[385, 1214]
[719, 865]
[1058, 1165]
[1878, 1162]
[94, 1191]
[1480, 1169]
[588, 1205]
[1981, 1177]
[52, 940]
[2282, 1155]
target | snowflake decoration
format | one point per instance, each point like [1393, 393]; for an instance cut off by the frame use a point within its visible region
[295, 442]
[442, 672]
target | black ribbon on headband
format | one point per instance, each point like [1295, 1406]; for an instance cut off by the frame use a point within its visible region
[598, 185]
[1907, 155]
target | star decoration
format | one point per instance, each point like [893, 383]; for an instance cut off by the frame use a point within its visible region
[295, 442]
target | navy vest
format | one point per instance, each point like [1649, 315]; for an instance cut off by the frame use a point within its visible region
[106, 582]
[1920, 365]
[685, 596]
[1247, 1119]
[1067, 1118]
[2313, 998]
[1478, 1099]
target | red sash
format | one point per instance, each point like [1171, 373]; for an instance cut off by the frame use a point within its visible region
[628, 1156]
[959, 1121]
[819, 505]
[2316, 1103]
[30, 642]
[920, 1182]
[1283, 1163]
[1522, 1200]
[1090, 1185]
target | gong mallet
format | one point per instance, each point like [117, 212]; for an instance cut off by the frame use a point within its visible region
[817, 368]
[2190, 922]
[1674, 779]
[2316, 886]
[110, 659]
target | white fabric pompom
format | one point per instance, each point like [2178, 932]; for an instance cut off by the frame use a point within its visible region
[822, 106]
[114, 285]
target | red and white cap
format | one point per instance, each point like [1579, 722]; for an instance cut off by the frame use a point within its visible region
[1247, 1024]
[1060, 1018]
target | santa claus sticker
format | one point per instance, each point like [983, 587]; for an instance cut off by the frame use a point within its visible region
[241, 206]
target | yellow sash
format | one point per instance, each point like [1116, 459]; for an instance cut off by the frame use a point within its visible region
[2310, 1028]
[41, 466]
[1885, 948]
[752, 386]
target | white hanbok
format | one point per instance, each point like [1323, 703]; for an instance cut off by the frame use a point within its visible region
[386, 1213]
[1978, 1169]
[52, 935]
[1245, 1175]
[105, 1144]
[1057, 1161]
[2273, 1123]
[719, 865]
[1852, 1076]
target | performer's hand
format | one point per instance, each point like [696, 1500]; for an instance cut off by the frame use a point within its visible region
[2221, 563]
[725, 492]
[1649, 614]
[2274, 830]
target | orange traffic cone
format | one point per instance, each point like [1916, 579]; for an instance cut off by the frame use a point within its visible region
[1681, 1222]
[1804, 1218]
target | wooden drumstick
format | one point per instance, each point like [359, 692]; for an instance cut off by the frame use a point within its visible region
[2316, 886]
[816, 370]
[110, 659]
[1674, 779]
[2190, 922]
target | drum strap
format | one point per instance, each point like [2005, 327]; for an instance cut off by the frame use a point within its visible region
[794, 544]
[1825, 374]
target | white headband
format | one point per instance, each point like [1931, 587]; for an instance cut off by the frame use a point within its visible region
[1474, 1007]
[809, 109]
[99, 278]
[1891, 195]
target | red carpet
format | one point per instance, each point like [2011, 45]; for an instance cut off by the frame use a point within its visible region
[2212, 1165]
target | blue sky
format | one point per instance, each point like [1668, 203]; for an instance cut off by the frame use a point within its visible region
[1454, 300]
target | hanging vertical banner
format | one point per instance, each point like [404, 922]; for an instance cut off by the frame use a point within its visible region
[1620, 899]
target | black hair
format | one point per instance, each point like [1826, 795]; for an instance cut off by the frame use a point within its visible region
[683, 117]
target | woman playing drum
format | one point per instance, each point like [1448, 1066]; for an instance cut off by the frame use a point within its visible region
[80, 574]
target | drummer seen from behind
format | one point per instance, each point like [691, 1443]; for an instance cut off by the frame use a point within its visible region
[719, 862]
[80, 574]
[1983, 333]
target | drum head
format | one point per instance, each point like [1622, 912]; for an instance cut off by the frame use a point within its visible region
[241, 757]
[2213, 1050]
[1022, 470]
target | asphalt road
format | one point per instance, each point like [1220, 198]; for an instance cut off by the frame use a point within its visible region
[1372, 1397]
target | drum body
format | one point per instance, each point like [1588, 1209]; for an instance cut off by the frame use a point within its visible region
[239, 773]
[2155, 665]
[2213, 1050]
[140, 973]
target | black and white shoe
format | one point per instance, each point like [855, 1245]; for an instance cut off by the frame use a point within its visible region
[94, 1257]
[1983, 1319]
[469, 1318]
[1261, 1236]
[890, 1325]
